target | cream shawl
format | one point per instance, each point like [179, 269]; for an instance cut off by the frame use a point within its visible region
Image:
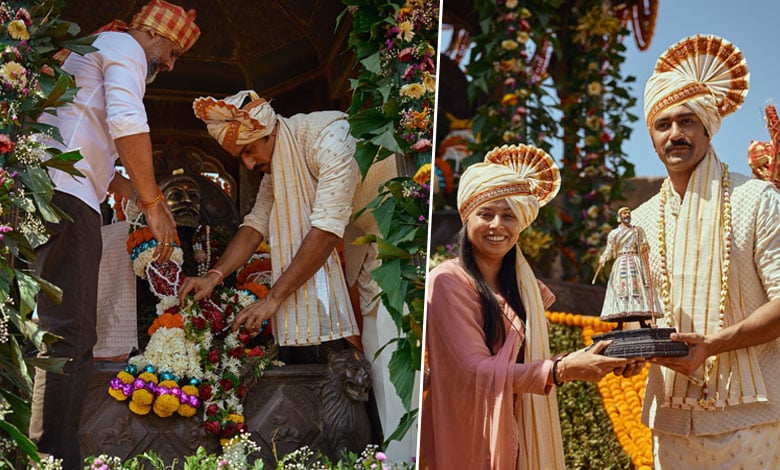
[319, 310]
[696, 253]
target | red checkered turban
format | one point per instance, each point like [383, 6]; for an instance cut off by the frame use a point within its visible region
[169, 21]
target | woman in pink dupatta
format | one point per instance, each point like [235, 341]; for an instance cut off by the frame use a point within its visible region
[488, 376]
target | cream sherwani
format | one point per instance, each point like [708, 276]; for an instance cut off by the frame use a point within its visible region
[755, 261]
[312, 183]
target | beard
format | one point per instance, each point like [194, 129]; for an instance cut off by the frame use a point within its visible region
[152, 68]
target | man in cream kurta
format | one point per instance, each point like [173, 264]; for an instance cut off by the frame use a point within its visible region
[302, 208]
[715, 256]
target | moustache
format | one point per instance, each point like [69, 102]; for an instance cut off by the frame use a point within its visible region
[679, 143]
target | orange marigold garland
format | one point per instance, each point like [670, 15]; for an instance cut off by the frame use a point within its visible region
[622, 397]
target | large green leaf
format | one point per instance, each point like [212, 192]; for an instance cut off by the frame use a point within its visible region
[22, 441]
[53, 292]
[387, 276]
[20, 409]
[387, 251]
[402, 373]
[367, 122]
[64, 161]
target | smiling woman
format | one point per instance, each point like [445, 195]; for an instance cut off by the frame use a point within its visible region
[482, 306]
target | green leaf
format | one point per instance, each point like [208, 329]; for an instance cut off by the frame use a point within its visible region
[28, 289]
[373, 63]
[50, 364]
[22, 441]
[364, 154]
[367, 122]
[53, 292]
[404, 424]
[387, 276]
[387, 139]
[402, 373]
[388, 251]
[64, 161]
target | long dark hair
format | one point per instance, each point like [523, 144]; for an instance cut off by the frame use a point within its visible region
[493, 323]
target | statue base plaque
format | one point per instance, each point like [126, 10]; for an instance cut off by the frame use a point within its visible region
[642, 342]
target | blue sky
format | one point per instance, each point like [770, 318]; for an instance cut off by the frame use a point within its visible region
[752, 26]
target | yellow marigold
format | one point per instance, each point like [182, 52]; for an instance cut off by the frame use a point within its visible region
[143, 397]
[117, 394]
[190, 389]
[186, 410]
[168, 383]
[139, 409]
[148, 377]
[423, 175]
[165, 405]
[509, 45]
[405, 31]
[125, 377]
[236, 418]
[412, 90]
[525, 13]
[18, 30]
[263, 247]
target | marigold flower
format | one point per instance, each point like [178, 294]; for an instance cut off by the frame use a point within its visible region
[165, 405]
[186, 410]
[6, 144]
[139, 409]
[523, 37]
[423, 174]
[509, 99]
[143, 397]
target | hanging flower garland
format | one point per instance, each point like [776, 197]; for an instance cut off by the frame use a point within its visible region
[193, 357]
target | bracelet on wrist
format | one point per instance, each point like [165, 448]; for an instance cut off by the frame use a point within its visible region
[218, 273]
[555, 373]
[153, 202]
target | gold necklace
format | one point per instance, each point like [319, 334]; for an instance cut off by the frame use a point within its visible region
[710, 364]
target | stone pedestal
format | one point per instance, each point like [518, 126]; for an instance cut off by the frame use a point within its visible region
[319, 405]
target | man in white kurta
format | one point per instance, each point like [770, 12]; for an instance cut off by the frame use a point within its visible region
[302, 208]
[715, 256]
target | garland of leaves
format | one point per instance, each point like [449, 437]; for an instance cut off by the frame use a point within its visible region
[391, 113]
[31, 81]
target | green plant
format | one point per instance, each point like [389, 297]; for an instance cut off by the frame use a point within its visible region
[391, 114]
[31, 82]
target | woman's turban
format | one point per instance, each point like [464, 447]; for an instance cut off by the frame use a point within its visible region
[523, 174]
[706, 73]
[233, 123]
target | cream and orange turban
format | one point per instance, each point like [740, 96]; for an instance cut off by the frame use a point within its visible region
[233, 123]
[520, 173]
[706, 73]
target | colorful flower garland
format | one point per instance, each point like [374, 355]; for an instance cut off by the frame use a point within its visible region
[193, 357]
[622, 397]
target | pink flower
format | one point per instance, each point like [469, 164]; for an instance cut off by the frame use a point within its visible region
[405, 55]
[381, 456]
[421, 145]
